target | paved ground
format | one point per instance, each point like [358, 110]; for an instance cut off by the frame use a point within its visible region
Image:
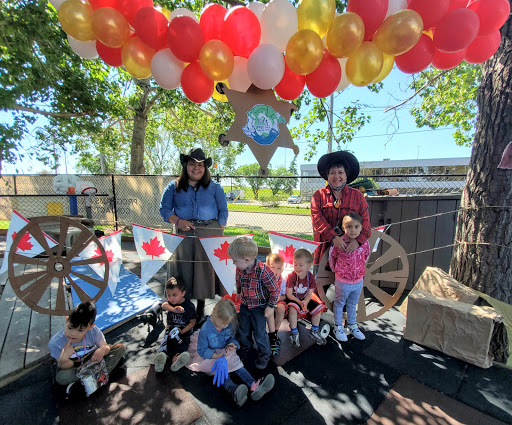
[333, 384]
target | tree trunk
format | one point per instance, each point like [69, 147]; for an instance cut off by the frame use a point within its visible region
[482, 255]
[139, 129]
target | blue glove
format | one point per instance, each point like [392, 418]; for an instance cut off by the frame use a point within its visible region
[220, 367]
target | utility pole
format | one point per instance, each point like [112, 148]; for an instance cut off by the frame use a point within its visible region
[331, 114]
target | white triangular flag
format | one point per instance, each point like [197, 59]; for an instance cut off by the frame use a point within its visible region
[382, 229]
[112, 245]
[28, 246]
[285, 246]
[216, 248]
[154, 247]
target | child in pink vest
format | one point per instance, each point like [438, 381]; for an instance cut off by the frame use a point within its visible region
[349, 271]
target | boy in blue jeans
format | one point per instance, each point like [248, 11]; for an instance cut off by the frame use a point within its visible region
[258, 291]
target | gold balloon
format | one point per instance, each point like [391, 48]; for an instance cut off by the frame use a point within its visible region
[345, 34]
[316, 15]
[399, 32]
[220, 97]
[216, 60]
[75, 18]
[136, 57]
[364, 65]
[304, 52]
[387, 66]
[110, 26]
[166, 12]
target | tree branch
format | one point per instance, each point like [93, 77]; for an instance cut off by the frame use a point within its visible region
[53, 114]
[427, 84]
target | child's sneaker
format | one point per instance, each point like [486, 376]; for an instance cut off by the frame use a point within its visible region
[240, 394]
[294, 339]
[181, 361]
[275, 346]
[340, 334]
[160, 360]
[315, 334]
[262, 361]
[260, 388]
[354, 330]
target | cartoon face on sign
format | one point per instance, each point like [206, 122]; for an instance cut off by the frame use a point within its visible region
[263, 124]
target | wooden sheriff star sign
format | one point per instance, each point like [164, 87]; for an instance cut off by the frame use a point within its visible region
[260, 121]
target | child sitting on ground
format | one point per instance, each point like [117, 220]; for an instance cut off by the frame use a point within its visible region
[349, 271]
[215, 343]
[258, 290]
[301, 299]
[181, 315]
[80, 341]
[276, 264]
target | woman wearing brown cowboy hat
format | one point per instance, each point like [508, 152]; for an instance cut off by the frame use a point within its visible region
[196, 206]
[330, 204]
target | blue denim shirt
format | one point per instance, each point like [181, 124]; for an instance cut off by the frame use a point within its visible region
[210, 339]
[201, 204]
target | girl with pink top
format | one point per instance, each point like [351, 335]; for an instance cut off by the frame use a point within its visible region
[349, 271]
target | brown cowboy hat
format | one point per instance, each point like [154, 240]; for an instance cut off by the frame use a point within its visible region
[328, 160]
[197, 155]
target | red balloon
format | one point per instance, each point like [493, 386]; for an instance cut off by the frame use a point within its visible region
[241, 31]
[129, 8]
[372, 12]
[443, 61]
[457, 4]
[197, 87]
[483, 47]
[110, 55]
[291, 85]
[151, 26]
[456, 30]
[96, 4]
[418, 58]
[323, 81]
[492, 14]
[431, 11]
[185, 38]
[212, 21]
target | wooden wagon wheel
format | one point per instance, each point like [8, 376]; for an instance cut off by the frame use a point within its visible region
[55, 267]
[392, 252]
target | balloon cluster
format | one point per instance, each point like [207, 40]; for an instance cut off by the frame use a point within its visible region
[276, 46]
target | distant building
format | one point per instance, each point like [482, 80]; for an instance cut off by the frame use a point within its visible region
[409, 168]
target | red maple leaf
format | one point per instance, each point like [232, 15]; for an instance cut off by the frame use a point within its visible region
[24, 243]
[222, 252]
[153, 248]
[287, 254]
[109, 252]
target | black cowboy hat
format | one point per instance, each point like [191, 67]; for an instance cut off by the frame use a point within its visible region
[197, 155]
[328, 160]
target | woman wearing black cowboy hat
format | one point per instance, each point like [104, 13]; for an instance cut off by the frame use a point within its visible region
[330, 204]
[196, 206]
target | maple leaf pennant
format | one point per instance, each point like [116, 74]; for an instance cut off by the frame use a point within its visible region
[153, 248]
[24, 243]
[222, 252]
[109, 252]
[287, 254]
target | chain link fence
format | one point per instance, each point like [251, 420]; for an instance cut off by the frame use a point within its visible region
[257, 204]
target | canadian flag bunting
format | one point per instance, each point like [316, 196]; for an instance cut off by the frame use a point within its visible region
[216, 248]
[285, 246]
[154, 247]
[112, 245]
[27, 246]
[382, 229]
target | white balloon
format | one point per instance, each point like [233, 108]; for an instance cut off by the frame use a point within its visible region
[257, 8]
[181, 11]
[239, 79]
[84, 49]
[344, 83]
[266, 66]
[56, 3]
[278, 23]
[166, 69]
[396, 5]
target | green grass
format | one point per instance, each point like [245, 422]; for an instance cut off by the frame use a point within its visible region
[4, 224]
[260, 237]
[262, 193]
[280, 209]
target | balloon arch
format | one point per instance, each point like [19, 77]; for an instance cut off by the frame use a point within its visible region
[276, 46]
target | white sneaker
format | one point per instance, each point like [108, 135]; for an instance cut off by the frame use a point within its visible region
[339, 333]
[160, 360]
[354, 330]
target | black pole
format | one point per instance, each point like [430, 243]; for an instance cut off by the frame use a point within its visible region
[114, 200]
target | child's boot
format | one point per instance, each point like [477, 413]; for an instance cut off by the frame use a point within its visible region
[181, 361]
[294, 339]
[275, 344]
[262, 387]
[240, 394]
[160, 360]
[354, 330]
